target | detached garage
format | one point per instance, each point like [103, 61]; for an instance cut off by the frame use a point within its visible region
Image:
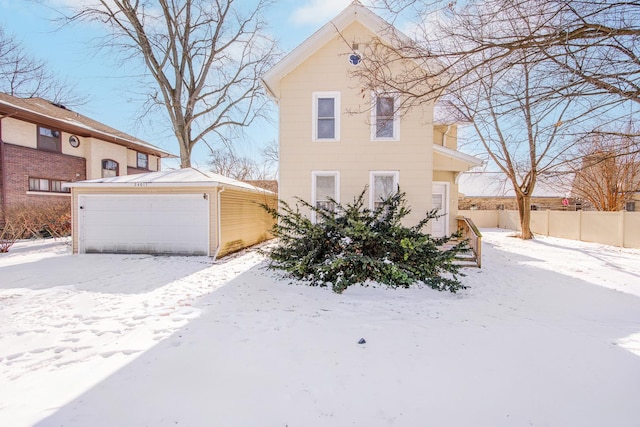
[181, 212]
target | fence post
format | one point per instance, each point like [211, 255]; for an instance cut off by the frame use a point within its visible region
[580, 225]
[621, 229]
[548, 222]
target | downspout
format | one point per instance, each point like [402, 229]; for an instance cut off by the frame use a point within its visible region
[444, 136]
[3, 177]
[219, 233]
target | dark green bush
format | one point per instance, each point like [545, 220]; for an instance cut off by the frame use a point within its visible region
[353, 244]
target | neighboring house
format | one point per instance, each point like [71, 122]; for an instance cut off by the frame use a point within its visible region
[493, 191]
[180, 212]
[336, 138]
[43, 146]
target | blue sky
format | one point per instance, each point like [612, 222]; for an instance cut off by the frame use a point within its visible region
[70, 52]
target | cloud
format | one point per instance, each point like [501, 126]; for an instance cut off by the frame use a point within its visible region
[319, 11]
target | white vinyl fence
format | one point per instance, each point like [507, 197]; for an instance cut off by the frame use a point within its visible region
[609, 228]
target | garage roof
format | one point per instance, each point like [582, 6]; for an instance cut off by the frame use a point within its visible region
[187, 177]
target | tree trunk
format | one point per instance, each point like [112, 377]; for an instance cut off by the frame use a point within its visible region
[185, 152]
[524, 210]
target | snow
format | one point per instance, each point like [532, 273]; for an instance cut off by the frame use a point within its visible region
[548, 334]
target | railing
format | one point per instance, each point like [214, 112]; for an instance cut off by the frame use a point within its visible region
[470, 232]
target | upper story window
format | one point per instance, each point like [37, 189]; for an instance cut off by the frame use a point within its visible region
[109, 168]
[142, 161]
[325, 192]
[49, 139]
[383, 184]
[326, 116]
[386, 125]
[47, 185]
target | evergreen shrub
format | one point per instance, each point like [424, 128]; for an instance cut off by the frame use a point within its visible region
[353, 244]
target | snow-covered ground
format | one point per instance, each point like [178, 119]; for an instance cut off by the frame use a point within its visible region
[548, 334]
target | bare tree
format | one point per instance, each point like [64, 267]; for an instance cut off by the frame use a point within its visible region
[592, 41]
[24, 76]
[271, 156]
[607, 175]
[524, 129]
[225, 162]
[524, 108]
[205, 57]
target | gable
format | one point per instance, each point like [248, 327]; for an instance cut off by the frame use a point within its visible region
[335, 29]
[328, 68]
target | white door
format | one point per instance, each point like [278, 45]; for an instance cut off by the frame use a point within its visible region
[440, 201]
[151, 224]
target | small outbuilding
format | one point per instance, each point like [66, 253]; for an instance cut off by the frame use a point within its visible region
[179, 212]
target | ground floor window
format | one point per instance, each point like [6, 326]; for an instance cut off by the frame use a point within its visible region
[325, 193]
[47, 185]
[382, 185]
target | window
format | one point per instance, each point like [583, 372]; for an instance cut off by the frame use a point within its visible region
[109, 168]
[47, 185]
[382, 185]
[143, 161]
[325, 190]
[326, 116]
[49, 139]
[385, 118]
[630, 206]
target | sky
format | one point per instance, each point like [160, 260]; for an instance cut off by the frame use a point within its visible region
[71, 53]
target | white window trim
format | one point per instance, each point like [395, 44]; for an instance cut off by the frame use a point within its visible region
[314, 175]
[373, 174]
[314, 108]
[396, 117]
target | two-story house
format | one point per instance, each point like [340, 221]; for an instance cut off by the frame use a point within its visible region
[336, 138]
[43, 146]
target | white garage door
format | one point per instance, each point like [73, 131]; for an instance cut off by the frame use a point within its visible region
[150, 224]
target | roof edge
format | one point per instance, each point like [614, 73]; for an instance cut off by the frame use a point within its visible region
[352, 13]
[457, 155]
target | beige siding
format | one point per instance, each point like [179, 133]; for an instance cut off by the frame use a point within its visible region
[355, 155]
[98, 150]
[243, 222]
[132, 161]
[211, 194]
[445, 163]
[19, 133]
[447, 136]
[25, 134]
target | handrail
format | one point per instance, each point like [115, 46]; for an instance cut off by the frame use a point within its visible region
[469, 231]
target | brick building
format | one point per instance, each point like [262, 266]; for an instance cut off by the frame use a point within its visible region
[44, 145]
